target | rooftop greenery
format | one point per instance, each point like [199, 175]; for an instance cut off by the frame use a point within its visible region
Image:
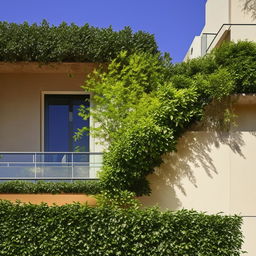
[69, 43]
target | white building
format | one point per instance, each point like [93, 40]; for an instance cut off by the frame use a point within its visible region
[225, 20]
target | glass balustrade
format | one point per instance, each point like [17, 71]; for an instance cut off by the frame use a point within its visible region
[54, 166]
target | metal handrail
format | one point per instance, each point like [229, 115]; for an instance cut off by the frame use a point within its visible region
[46, 152]
[28, 162]
[227, 24]
[47, 178]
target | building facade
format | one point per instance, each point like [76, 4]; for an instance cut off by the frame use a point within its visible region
[213, 171]
[39, 107]
[225, 20]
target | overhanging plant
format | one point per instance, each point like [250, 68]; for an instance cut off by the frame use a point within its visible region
[143, 104]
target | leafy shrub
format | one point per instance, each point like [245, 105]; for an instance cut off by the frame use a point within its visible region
[40, 230]
[118, 199]
[239, 58]
[69, 43]
[143, 104]
[24, 187]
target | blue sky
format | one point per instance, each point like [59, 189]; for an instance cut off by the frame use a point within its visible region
[173, 22]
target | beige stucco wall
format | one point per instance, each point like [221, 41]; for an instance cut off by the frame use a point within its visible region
[239, 16]
[213, 172]
[249, 232]
[221, 12]
[195, 49]
[238, 33]
[21, 87]
[217, 12]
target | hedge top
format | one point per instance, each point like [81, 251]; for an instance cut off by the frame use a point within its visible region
[79, 230]
[69, 43]
[24, 187]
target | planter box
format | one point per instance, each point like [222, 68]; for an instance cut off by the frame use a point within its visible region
[50, 199]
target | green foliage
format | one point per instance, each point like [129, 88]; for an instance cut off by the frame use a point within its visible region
[204, 65]
[239, 59]
[236, 58]
[69, 43]
[116, 92]
[143, 104]
[40, 230]
[118, 199]
[25, 187]
[154, 128]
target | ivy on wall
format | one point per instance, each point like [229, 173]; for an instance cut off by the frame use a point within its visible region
[69, 43]
[143, 104]
[40, 230]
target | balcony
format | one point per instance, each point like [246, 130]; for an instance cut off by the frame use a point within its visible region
[50, 166]
[206, 42]
[232, 32]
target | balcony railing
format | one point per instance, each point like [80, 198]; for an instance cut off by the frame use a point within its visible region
[247, 32]
[54, 166]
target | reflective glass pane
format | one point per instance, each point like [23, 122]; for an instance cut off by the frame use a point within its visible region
[57, 128]
[62, 121]
[81, 145]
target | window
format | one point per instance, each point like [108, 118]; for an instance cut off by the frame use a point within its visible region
[62, 121]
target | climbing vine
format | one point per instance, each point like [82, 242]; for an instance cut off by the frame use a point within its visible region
[143, 104]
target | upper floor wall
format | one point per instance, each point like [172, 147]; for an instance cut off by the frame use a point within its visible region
[23, 87]
[225, 20]
[237, 13]
[217, 12]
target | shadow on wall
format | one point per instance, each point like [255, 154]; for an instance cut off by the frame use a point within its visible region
[196, 152]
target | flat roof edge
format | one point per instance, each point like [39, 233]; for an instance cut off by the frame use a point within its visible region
[52, 67]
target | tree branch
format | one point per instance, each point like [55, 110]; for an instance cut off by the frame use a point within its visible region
[249, 6]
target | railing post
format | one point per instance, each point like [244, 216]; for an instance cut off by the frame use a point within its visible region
[72, 167]
[35, 165]
[90, 158]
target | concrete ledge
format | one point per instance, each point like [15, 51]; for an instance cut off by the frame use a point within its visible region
[53, 67]
[244, 99]
[50, 199]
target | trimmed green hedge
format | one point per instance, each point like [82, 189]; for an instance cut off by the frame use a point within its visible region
[74, 230]
[69, 43]
[25, 187]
